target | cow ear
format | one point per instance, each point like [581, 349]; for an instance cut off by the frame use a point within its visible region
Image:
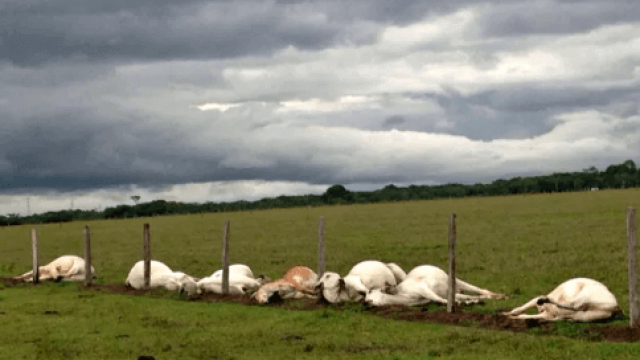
[342, 284]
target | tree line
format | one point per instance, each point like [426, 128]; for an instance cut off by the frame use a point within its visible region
[622, 175]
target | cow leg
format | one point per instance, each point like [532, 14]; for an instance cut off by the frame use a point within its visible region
[77, 277]
[486, 294]
[26, 276]
[519, 310]
[293, 295]
[426, 292]
[588, 316]
[469, 299]
[540, 316]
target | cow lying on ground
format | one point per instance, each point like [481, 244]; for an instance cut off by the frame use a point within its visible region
[235, 269]
[161, 276]
[240, 277]
[64, 268]
[425, 284]
[364, 276]
[296, 283]
[579, 300]
[238, 285]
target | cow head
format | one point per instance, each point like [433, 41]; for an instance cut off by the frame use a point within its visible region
[331, 287]
[186, 283]
[272, 293]
[375, 297]
[262, 295]
[50, 273]
[262, 279]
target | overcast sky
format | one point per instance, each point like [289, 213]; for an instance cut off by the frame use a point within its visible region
[225, 100]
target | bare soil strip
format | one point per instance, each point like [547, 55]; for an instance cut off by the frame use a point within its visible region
[618, 333]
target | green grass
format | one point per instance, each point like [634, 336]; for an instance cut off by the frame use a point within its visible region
[519, 245]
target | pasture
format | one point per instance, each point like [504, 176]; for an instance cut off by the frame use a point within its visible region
[522, 246]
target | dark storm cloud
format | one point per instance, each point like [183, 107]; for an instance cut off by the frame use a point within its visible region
[523, 110]
[393, 121]
[91, 97]
[525, 98]
[35, 34]
[561, 17]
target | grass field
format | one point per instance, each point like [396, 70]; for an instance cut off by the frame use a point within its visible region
[518, 245]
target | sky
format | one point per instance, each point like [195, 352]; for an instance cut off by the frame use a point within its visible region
[200, 101]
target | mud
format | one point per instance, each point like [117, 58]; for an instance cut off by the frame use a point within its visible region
[617, 333]
[10, 281]
[459, 317]
[439, 315]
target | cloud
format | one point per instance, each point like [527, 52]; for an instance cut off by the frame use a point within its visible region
[100, 95]
[393, 121]
[554, 17]
[39, 34]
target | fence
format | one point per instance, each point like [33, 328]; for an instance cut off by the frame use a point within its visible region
[451, 291]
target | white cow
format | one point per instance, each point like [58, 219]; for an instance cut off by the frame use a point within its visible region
[235, 269]
[424, 284]
[64, 268]
[161, 276]
[237, 286]
[579, 300]
[240, 277]
[214, 284]
[364, 276]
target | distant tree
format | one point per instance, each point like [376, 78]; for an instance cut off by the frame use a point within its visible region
[591, 170]
[337, 192]
[631, 166]
[626, 174]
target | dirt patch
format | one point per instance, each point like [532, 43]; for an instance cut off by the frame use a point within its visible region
[439, 315]
[617, 333]
[459, 317]
[10, 281]
[121, 289]
[238, 299]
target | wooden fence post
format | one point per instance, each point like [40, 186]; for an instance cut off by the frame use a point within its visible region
[87, 257]
[147, 256]
[451, 294]
[34, 245]
[225, 258]
[632, 241]
[321, 257]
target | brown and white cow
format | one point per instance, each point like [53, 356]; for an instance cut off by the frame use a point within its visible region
[579, 300]
[296, 283]
[64, 268]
